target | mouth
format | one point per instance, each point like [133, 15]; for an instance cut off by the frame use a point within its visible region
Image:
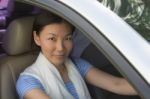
[59, 56]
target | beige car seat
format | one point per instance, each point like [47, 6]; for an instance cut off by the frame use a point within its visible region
[20, 52]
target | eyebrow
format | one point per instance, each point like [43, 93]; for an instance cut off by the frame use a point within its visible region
[53, 34]
[56, 35]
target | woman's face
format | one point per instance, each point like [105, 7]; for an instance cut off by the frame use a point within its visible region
[55, 41]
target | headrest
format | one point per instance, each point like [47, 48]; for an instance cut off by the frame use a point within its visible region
[18, 37]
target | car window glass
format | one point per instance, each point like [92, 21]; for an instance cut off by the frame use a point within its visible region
[135, 12]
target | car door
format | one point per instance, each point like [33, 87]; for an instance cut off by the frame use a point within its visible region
[120, 43]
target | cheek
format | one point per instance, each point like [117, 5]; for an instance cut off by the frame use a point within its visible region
[46, 46]
[69, 46]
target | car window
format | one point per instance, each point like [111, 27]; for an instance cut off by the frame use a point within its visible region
[114, 37]
[134, 12]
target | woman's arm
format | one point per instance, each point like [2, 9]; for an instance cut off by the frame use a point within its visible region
[109, 82]
[29, 87]
[36, 94]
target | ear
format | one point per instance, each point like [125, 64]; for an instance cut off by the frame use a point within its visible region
[36, 38]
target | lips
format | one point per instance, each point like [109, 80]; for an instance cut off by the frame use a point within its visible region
[59, 56]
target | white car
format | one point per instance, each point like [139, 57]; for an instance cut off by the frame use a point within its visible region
[120, 43]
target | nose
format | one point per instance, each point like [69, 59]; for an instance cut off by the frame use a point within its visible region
[60, 46]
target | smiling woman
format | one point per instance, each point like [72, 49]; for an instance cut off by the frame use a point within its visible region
[54, 36]
[58, 35]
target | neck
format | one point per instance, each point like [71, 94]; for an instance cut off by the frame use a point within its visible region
[63, 72]
[61, 67]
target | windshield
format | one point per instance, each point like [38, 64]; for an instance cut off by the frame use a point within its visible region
[134, 12]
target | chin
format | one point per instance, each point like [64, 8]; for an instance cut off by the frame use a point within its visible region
[59, 62]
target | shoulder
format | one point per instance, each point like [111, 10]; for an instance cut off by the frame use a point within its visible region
[25, 83]
[82, 65]
[80, 62]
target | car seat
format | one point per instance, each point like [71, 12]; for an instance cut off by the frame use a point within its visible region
[20, 52]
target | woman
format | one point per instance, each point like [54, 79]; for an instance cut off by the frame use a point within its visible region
[54, 75]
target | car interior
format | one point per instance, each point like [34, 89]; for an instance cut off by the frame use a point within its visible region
[19, 51]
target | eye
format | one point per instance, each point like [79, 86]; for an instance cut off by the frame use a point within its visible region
[52, 38]
[69, 37]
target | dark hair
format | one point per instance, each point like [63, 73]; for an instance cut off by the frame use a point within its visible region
[46, 18]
